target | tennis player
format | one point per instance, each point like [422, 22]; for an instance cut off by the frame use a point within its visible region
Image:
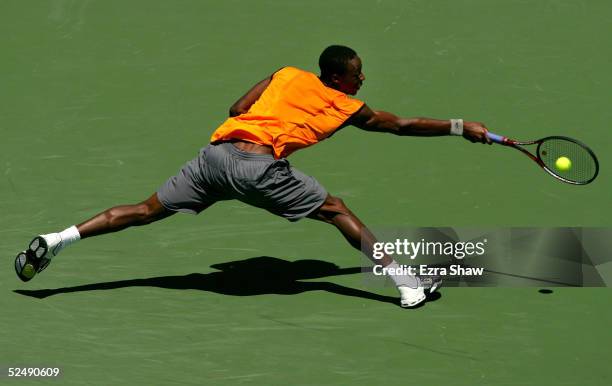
[246, 160]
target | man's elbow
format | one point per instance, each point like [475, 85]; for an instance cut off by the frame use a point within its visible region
[407, 126]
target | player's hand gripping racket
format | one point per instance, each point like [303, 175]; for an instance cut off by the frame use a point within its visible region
[564, 158]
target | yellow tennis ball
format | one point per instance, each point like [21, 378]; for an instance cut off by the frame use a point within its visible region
[563, 164]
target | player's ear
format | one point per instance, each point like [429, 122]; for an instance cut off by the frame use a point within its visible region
[335, 79]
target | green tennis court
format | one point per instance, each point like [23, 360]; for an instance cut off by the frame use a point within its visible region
[102, 101]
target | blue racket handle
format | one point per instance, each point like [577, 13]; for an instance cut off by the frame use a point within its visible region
[496, 138]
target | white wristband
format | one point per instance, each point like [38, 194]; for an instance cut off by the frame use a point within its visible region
[456, 127]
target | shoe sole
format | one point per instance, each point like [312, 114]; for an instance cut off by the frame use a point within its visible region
[24, 266]
[38, 246]
[24, 269]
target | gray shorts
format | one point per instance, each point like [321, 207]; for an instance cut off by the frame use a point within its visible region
[223, 172]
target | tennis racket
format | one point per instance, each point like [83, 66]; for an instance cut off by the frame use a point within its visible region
[553, 153]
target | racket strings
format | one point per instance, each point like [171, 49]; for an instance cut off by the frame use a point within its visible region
[583, 167]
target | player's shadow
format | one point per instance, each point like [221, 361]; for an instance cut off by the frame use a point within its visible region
[253, 276]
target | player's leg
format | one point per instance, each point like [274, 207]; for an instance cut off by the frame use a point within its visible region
[335, 212]
[260, 180]
[189, 191]
[44, 247]
[287, 192]
[124, 216]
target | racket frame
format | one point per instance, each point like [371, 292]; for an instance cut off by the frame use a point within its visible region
[502, 140]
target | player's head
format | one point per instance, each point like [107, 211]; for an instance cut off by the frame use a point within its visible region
[341, 69]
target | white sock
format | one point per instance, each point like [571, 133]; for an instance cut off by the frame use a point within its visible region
[70, 235]
[401, 279]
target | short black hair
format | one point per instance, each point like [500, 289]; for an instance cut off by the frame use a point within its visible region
[334, 58]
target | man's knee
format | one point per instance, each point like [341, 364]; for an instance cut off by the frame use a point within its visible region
[138, 214]
[330, 208]
[144, 212]
[151, 210]
[335, 204]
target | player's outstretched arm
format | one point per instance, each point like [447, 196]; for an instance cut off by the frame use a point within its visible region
[385, 122]
[243, 104]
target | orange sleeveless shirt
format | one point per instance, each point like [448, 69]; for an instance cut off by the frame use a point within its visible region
[296, 110]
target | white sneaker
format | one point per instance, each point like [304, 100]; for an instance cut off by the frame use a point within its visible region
[46, 246]
[38, 255]
[431, 283]
[410, 297]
